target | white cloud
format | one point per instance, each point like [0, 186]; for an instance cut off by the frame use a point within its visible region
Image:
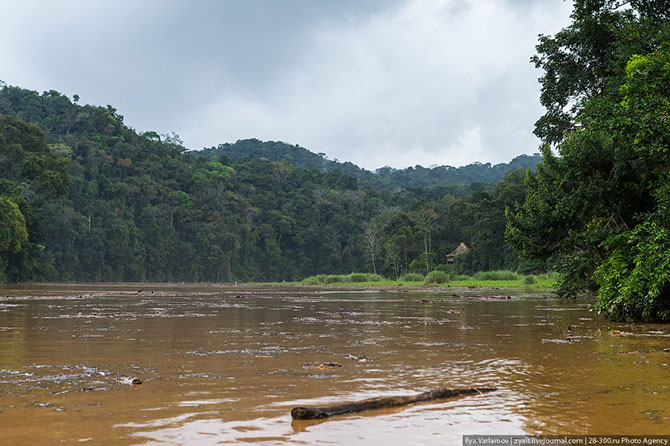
[431, 82]
[376, 83]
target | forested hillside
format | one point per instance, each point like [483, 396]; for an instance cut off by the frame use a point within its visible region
[385, 177]
[141, 207]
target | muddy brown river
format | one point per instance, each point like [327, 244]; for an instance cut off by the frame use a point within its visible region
[222, 364]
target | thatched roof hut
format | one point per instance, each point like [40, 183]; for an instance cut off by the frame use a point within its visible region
[460, 250]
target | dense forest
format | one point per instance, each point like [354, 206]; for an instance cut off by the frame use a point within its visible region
[85, 197]
[384, 178]
[599, 202]
[140, 207]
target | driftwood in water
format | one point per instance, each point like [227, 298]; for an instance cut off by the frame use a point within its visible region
[313, 413]
[324, 366]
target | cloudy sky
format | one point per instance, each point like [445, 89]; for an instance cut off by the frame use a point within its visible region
[375, 82]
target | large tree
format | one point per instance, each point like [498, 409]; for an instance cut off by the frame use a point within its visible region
[605, 181]
[634, 278]
[588, 58]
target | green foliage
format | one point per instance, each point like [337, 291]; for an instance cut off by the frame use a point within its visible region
[608, 181]
[422, 177]
[27, 163]
[384, 178]
[360, 277]
[496, 275]
[31, 174]
[327, 279]
[436, 277]
[332, 279]
[411, 277]
[141, 207]
[423, 263]
[633, 279]
[588, 58]
[529, 280]
[483, 220]
[13, 230]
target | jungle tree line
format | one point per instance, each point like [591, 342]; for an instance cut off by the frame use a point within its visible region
[140, 207]
[417, 177]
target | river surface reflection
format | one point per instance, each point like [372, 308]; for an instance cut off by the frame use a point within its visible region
[223, 364]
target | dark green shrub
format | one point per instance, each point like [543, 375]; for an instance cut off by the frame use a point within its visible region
[496, 275]
[635, 278]
[333, 279]
[529, 280]
[418, 265]
[436, 277]
[412, 277]
[362, 277]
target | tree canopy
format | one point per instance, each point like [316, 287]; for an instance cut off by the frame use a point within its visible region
[32, 173]
[597, 206]
[141, 207]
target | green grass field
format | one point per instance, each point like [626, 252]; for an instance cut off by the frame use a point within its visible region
[539, 282]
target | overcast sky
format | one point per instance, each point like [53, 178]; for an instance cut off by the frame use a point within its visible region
[374, 82]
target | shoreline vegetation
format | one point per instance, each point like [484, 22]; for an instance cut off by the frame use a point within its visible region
[487, 279]
[491, 280]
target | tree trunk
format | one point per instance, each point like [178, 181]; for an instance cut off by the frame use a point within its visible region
[374, 265]
[425, 252]
[313, 413]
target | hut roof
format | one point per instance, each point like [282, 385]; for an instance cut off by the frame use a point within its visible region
[462, 249]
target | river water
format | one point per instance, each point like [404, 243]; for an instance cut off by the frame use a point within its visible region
[223, 364]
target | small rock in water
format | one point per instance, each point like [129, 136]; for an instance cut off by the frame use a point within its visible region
[359, 358]
[130, 380]
[561, 341]
[36, 403]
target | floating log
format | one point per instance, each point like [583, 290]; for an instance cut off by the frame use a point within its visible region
[314, 413]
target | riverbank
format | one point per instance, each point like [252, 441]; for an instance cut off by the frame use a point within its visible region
[540, 285]
[484, 280]
[457, 286]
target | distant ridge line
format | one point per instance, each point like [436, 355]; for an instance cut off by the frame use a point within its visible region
[384, 177]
